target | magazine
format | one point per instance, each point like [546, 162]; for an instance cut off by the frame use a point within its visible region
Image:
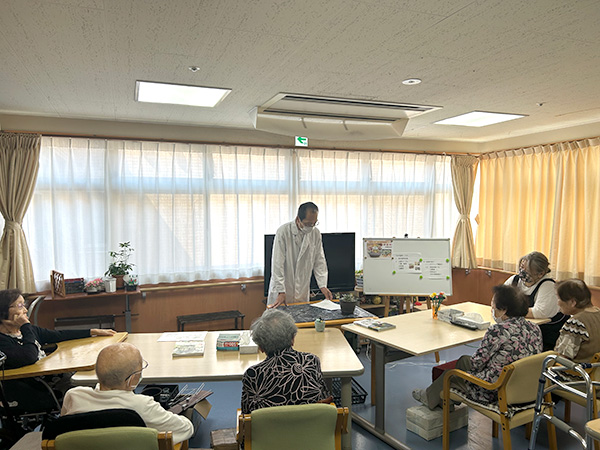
[375, 324]
[188, 348]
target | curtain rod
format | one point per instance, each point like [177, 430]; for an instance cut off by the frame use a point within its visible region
[233, 144]
[496, 152]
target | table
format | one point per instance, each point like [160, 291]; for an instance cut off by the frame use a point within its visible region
[337, 360]
[70, 356]
[305, 315]
[415, 334]
[35, 305]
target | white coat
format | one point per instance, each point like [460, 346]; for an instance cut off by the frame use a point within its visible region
[292, 275]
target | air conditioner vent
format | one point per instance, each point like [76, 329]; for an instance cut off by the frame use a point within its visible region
[350, 102]
[332, 118]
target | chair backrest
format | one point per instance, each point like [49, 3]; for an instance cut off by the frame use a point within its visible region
[116, 438]
[523, 384]
[294, 427]
[105, 418]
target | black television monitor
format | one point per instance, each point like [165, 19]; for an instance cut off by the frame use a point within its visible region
[339, 253]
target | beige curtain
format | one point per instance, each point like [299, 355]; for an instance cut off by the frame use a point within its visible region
[19, 162]
[464, 169]
[543, 198]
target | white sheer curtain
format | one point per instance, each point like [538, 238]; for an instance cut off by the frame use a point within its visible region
[197, 212]
[378, 194]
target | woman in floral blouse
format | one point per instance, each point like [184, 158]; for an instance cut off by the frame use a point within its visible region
[510, 339]
[286, 377]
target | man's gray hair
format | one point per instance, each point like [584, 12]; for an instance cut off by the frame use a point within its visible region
[274, 331]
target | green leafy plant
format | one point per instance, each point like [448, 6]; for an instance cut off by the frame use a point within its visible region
[120, 264]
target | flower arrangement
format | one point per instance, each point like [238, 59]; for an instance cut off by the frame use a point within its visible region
[436, 300]
[94, 285]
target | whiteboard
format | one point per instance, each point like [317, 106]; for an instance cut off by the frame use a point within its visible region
[402, 266]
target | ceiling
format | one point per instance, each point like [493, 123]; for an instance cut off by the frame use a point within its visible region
[81, 58]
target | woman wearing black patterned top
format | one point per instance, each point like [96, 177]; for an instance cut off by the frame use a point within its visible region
[286, 377]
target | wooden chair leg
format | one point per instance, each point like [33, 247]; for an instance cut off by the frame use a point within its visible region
[494, 429]
[567, 410]
[506, 443]
[528, 427]
[437, 357]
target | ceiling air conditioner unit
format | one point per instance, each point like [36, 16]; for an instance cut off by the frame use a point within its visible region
[330, 118]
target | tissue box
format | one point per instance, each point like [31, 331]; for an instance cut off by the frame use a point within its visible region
[430, 424]
[445, 315]
[247, 345]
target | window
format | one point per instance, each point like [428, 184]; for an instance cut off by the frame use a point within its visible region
[195, 212]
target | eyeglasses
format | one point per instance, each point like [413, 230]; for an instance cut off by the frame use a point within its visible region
[310, 224]
[144, 366]
[18, 306]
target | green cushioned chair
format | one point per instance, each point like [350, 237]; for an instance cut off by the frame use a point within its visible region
[116, 438]
[297, 427]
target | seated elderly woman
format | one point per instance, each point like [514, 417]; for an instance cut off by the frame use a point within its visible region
[513, 337]
[579, 337]
[22, 343]
[286, 376]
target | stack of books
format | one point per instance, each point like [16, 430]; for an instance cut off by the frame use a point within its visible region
[375, 324]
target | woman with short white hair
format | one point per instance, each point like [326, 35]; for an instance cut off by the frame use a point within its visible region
[286, 376]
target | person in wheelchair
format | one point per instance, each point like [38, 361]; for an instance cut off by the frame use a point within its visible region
[24, 344]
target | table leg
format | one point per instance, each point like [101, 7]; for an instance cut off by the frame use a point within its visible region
[346, 398]
[127, 314]
[379, 356]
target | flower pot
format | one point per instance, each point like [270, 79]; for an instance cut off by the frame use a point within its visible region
[120, 282]
[92, 290]
[110, 284]
[347, 307]
[131, 287]
[320, 325]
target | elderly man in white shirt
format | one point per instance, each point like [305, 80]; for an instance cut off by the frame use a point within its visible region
[119, 369]
[297, 253]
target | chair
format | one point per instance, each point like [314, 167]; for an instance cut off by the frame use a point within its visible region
[517, 390]
[115, 438]
[293, 427]
[106, 422]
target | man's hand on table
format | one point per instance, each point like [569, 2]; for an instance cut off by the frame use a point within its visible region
[280, 300]
[327, 293]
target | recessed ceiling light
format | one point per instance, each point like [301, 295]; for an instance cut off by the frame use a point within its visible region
[411, 81]
[178, 94]
[479, 119]
[194, 68]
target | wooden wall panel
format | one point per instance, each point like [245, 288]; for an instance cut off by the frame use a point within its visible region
[158, 311]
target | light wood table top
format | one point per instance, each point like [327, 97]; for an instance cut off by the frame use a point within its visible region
[70, 356]
[418, 333]
[337, 358]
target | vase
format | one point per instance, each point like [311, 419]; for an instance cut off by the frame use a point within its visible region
[347, 307]
[434, 313]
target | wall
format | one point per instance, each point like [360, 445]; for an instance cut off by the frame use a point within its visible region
[476, 285]
[159, 310]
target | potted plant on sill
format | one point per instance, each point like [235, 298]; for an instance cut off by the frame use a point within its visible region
[131, 282]
[120, 265]
[348, 303]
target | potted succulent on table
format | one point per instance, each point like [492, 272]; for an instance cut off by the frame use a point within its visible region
[348, 303]
[120, 265]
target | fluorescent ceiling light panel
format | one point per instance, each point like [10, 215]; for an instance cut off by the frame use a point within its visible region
[178, 94]
[479, 119]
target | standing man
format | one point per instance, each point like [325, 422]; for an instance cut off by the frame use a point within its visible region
[297, 252]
